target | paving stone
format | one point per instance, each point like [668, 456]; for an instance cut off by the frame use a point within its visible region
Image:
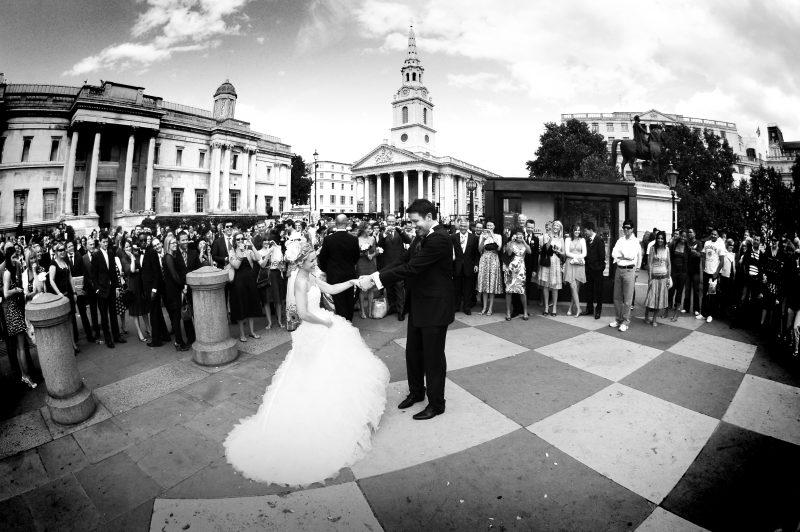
[269, 340]
[20, 473]
[216, 422]
[144, 421]
[57, 430]
[144, 387]
[767, 407]
[394, 356]
[15, 515]
[256, 369]
[174, 454]
[774, 366]
[136, 520]
[524, 333]
[62, 456]
[217, 388]
[62, 505]
[102, 440]
[661, 520]
[22, 432]
[116, 486]
[723, 352]
[661, 338]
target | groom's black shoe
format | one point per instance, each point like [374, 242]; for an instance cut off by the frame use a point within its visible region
[428, 413]
[410, 400]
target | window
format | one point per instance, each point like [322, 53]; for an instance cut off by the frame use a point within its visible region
[49, 203]
[26, 148]
[156, 154]
[2, 145]
[177, 199]
[200, 201]
[281, 203]
[405, 115]
[178, 158]
[202, 160]
[55, 142]
[333, 186]
[267, 203]
[76, 201]
[624, 126]
[105, 148]
[342, 199]
[625, 138]
[333, 199]
[351, 187]
[234, 200]
[723, 135]
[155, 199]
[351, 200]
[424, 115]
[321, 200]
[321, 175]
[342, 186]
[595, 127]
[235, 161]
[20, 205]
[610, 140]
[609, 126]
[413, 76]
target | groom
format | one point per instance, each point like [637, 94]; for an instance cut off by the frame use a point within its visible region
[427, 269]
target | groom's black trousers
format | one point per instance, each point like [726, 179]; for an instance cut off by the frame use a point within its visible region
[426, 363]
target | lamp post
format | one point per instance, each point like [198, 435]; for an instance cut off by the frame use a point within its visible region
[316, 158]
[672, 179]
[471, 186]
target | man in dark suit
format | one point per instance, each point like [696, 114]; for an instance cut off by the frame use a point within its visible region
[88, 286]
[428, 275]
[465, 266]
[595, 265]
[222, 246]
[393, 241]
[104, 280]
[337, 259]
[531, 260]
[153, 288]
[186, 261]
[76, 269]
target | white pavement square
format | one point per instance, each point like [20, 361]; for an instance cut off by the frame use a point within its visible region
[663, 521]
[766, 407]
[584, 322]
[338, 507]
[469, 347]
[607, 356]
[715, 350]
[639, 441]
[467, 422]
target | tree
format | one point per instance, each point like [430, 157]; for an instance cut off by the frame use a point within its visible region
[562, 149]
[597, 168]
[301, 185]
[773, 203]
[702, 163]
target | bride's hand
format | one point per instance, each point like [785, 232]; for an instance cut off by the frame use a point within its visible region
[329, 324]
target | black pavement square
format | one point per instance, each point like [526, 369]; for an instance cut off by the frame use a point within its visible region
[394, 356]
[62, 505]
[696, 385]
[741, 480]
[662, 337]
[528, 387]
[136, 520]
[533, 334]
[775, 365]
[518, 481]
[16, 515]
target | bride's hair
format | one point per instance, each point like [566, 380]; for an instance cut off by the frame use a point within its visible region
[298, 251]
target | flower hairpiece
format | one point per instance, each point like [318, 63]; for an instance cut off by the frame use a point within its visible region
[297, 251]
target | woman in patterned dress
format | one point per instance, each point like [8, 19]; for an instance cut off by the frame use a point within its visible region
[574, 268]
[489, 281]
[514, 273]
[123, 267]
[659, 270]
[14, 308]
[366, 265]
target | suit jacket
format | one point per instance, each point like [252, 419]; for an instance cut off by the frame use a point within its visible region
[428, 275]
[219, 251]
[76, 268]
[152, 274]
[393, 247]
[86, 262]
[103, 276]
[338, 256]
[596, 254]
[532, 258]
[174, 279]
[465, 260]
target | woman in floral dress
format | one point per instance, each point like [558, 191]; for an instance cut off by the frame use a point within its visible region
[514, 273]
[489, 281]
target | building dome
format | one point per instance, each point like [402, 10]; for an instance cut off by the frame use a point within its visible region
[226, 88]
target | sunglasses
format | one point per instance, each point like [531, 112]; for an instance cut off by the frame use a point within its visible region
[239, 239]
[228, 227]
[627, 227]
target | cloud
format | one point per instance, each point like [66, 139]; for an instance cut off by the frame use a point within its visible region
[482, 81]
[325, 24]
[260, 40]
[167, 27]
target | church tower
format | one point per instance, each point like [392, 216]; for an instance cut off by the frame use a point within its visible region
[224, 101]
[412, 108]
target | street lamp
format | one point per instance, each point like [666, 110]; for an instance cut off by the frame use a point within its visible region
[316, 157]
[672, 179]
[471, 186]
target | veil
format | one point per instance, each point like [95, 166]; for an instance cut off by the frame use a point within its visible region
[296, 253]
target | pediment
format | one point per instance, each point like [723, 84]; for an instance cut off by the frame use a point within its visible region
[655, 116]
[385, 155]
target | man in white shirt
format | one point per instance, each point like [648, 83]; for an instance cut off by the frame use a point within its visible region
[712, 261]
[627, 255]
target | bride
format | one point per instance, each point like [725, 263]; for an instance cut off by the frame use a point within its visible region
[326, 398]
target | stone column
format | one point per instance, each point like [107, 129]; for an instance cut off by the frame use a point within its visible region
[366, 194]
[392, 204]
[289, 186]
[213, 179]
[378, 193]
[225, 187]
[93, 173]
[244, 204]
[70, 175]
[68, 400]
[405, 191]
[148, 179]
[251, 175]
[430, 187]
[420, 184]
[276, 174]
[214, 345]
[126, 187]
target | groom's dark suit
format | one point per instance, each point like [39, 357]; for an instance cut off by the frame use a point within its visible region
[595, 265]
[427, 272]
[337, 259]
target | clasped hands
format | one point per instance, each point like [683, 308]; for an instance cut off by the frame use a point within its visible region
[365, 282]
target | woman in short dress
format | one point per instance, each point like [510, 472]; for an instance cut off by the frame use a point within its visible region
[366, 265]
[271, 259]
[550, 276]
[490, 282]
[514, 273]
[138, 307]
[659, 279]
[574, 268]
[244, 305]
[14, 308]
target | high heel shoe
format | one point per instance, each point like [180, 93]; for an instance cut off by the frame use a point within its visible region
[254, 335]
[27, 380]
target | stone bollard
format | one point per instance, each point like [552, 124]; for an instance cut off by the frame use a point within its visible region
[68, 399]
[214, 345]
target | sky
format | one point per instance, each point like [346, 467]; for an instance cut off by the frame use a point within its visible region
[321, 75]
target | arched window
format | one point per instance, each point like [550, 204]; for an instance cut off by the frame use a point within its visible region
[413, 76]
[407, 77]
[424, 115]
[405, 115]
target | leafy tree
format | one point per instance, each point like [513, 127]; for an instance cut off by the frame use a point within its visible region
[596, 168]
[301, 185]
[774, 204]
[562, 149]
[702, 163]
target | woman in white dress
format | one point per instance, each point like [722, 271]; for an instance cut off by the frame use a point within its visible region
[326, 398]
[574, 268]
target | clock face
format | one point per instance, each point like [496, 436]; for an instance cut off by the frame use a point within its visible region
[405, 92]
[427, 138]
[424, 94]
[404, 137]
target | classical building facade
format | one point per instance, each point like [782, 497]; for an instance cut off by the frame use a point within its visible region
[111, 155]
[336, 190]
[406, 166]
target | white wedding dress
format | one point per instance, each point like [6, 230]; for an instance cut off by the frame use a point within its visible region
[318, 414]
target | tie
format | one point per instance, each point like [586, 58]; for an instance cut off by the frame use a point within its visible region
[71, 261]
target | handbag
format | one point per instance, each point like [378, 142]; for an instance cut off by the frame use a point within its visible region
[186, 309]
[231, 273]
[77, 282]
[379, 308]
[492, 246]
[263, 278]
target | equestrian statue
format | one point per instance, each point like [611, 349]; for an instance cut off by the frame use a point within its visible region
[645, 146]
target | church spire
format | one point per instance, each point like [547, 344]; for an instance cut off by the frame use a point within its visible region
[412, 47]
